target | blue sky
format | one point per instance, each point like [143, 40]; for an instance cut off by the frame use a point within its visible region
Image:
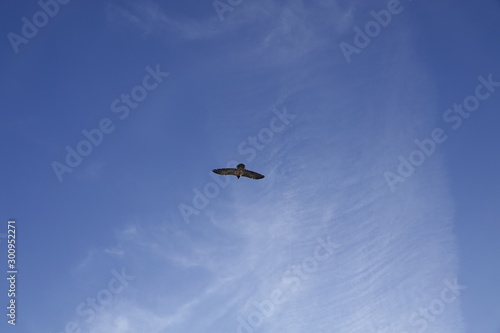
[380, 206]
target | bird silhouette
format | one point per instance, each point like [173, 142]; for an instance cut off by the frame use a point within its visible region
[238, 172]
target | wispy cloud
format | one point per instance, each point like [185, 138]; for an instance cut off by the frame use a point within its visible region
[324, 177]
[285, 31]
[150, 19]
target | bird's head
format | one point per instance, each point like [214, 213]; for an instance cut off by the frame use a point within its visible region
[240, 166]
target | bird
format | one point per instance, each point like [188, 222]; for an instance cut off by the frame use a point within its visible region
[238, 172]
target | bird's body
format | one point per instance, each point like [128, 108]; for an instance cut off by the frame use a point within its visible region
[239, 172]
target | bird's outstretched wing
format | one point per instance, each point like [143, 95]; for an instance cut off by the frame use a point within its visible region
[225, 171]
[251, 174]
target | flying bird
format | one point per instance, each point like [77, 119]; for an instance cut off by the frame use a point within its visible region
[238, 172]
